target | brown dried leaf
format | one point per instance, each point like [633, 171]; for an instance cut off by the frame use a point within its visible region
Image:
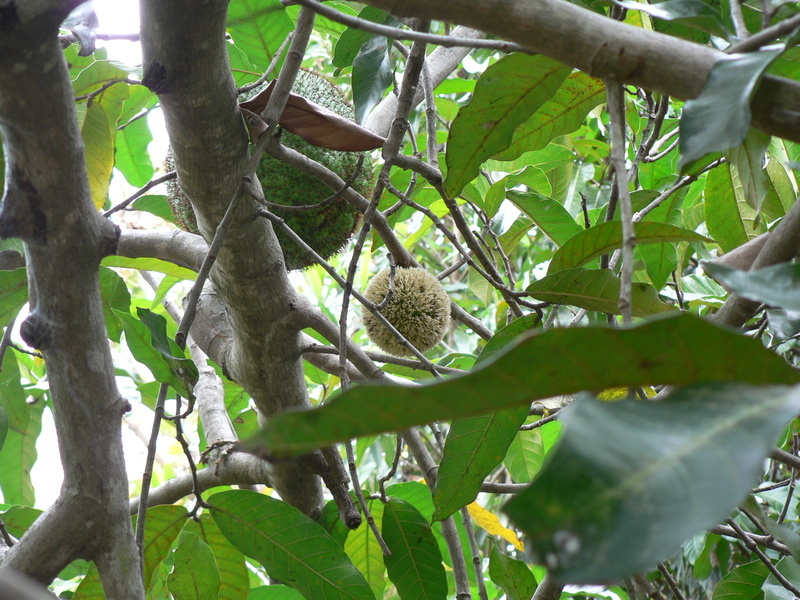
[316, 124]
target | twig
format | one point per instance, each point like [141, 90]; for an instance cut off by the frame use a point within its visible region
[616, 111]
[402, 34]
[673, 586]
[351, 463]
[140, 192]
[475, 551]
[390, 473]
[272, 64]
[765, 36]
[753, 547]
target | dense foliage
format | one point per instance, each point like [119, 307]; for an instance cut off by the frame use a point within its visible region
[603, 418]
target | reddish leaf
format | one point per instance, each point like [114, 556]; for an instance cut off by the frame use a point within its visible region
[315, 123]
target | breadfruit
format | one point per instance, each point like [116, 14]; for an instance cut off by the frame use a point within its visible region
[326, 229]
[419, 309]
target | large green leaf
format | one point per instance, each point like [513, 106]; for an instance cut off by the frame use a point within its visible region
[13, 294]
[594, 289]
[629, 481]
[181, 367]
[474, 447]
[507, 93]
[778, 285]
[258, 28]
[719, 117]
[747, 159]
[161, 527]
[132, 158]
[550, 216]
[415, 565]
[365, 552]
[18, 457]
[352, 40]
[512, 575]
[730, 220]
[607, 237]
[372, 75]
[678, 351]
[149, 264]
[195, 575]
[773, 589]
[742, 583]
[232, 570]
[294, 549]
[527, 452]
[563, 113]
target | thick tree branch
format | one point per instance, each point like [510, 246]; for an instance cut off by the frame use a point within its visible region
[608, 49]
[205, 127]
[48, 205]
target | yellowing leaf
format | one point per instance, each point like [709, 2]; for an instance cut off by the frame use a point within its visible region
[488, 521]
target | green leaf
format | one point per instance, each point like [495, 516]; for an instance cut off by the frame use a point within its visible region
[719, 117]
[629, 481]
[156, 205]
[550, 216]
[149, 264]
[13, 294]
[562, 114]
[294, 549]
[772, 588]
[748, 161]
[527, 452]
[506, 95]
[274, 592]
[680, 350]
[258, 28]
[132, 158]
[415, 566]
[742, 583]
[512, 575]
[372, 75]
[595, 290]
[365, 552]
[115, 296]
[161, 527]
[693, 13]
[195, 575]
[352, 40]
[140, 341]
[607, 237]
[179, 366]
[778, 285]
[729, 218]
[474, 447]
[19, 455]
[234, 580]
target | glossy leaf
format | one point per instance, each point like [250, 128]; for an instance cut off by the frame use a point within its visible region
[352, 40]
[258, 28]
[474, 448]
[156, 205]
[294, 549]
[132, 158]
[372, 75]
[115, 296]
[149, 264]
[140, 343]
[629, 481]
[773, 589]
[595, 290]
[506, 95]
[316, 124]
[13, 294]
[234, 579]
[19, 454]
[195, 575]
[363, 549]
[743, 583]
[527, 452]
[693, 13]
[778, 285]
[607, 237]
[415, 566]
[181, 367]
[677, 351]
[719, 117]
[748, 161]
[512, 575]
[550, 216]
[563, 113]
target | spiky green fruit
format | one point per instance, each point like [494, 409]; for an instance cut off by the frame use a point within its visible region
[419, 309]
[326, 229]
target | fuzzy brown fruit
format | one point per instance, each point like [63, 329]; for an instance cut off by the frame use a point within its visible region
[419, 309]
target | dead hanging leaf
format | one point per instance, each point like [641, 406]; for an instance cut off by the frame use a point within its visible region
[316, 124]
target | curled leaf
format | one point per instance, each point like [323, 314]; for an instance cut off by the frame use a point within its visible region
[316, 124]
